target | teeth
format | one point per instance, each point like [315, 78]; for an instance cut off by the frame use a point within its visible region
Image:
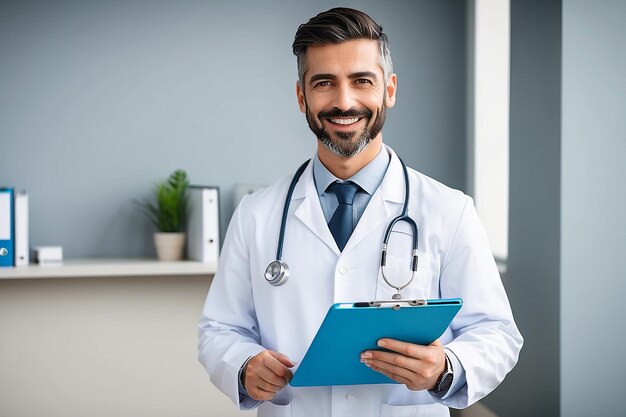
[345, 121]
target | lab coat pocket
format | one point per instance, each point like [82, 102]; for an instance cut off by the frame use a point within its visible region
[422, 410]
[398, 270]
[270, 409]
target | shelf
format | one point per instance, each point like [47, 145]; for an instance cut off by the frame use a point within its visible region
[87, 268]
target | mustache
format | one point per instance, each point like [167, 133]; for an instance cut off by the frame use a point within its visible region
[351, 112]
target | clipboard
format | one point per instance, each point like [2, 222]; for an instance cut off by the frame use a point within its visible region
[333, 358]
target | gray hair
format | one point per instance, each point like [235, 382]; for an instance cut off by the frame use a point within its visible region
[335, 26]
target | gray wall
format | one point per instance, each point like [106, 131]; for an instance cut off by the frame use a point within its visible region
[593, 204]
[99, 100]
[567, 234]
[532, 279]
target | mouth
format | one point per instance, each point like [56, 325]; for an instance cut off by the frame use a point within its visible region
[344, 121]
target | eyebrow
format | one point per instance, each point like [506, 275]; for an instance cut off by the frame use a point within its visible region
[353, 76]
[318, 77]
[363, 74]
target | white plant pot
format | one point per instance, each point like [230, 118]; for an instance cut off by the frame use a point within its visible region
[169, 246]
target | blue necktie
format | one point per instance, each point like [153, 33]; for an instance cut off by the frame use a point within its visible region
[340, 223]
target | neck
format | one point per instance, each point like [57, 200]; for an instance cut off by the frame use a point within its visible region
[344, 168]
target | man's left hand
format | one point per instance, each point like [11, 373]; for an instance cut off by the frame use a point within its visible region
[416, 366]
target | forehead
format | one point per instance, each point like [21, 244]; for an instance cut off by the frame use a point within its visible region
[344, 58]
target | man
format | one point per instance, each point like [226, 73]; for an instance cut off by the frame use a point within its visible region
[252, 333]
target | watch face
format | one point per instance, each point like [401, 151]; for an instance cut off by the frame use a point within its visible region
[445, 383]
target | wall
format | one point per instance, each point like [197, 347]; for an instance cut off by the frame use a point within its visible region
[488, 161]
[593, 203]
[102, 99]
[567, 231]
[101, 347]
[533, 269]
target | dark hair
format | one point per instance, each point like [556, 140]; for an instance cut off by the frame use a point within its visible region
[339, 25]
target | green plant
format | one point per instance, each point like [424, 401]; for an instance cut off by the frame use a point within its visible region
[169, 214]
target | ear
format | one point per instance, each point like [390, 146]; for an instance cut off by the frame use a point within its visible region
[390, 90]
[301, 98]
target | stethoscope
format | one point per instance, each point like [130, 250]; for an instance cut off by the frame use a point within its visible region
[277, 272]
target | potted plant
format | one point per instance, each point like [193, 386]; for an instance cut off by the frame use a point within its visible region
[169, 215]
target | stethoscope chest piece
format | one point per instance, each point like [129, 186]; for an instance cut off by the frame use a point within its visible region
[277, 273]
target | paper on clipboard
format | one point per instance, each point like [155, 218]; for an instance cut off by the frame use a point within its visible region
[333, 358]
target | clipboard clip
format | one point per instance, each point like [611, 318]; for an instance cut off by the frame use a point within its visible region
[394, 304]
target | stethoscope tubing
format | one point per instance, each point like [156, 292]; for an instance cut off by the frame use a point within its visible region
[277, 271]
[404, 216]
[283, 222]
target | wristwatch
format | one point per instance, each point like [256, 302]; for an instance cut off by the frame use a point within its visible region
[242, 373]
[445, 380]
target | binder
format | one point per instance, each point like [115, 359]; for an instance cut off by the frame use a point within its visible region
[333, 358]
[203, 224]
[21, 229]
[7, 242]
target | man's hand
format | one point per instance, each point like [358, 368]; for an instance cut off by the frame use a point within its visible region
[418, 367]
[266, 374]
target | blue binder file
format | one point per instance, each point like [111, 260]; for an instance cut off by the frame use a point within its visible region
[333, 358]
[7, 234]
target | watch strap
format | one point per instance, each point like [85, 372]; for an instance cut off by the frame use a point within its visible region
[445, 379]
[242, 374]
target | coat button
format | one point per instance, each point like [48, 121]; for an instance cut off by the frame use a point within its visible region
[344, 269]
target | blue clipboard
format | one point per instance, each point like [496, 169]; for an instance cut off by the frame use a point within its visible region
[333, 358]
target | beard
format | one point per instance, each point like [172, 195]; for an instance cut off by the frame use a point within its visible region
[347, 144]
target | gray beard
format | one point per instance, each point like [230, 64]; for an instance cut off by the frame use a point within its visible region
[345, 147]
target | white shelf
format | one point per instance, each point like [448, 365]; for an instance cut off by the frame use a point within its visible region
[87, 268]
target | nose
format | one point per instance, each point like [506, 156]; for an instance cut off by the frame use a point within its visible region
[344, 98]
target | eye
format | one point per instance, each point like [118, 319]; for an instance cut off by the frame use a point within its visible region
[363, 81]
[325, 83]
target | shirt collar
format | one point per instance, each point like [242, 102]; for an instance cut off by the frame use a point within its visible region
[368, 178]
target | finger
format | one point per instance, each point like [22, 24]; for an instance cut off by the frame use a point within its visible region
[269, 376]
[277, 368]
[257, 370]
[393, 369]
[268, 386]
[282, 359]
[437, 343]
[261, 395]
[391, 358]
[407, 349]
[392, 376]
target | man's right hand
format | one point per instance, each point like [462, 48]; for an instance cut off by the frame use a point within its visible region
[266, 374]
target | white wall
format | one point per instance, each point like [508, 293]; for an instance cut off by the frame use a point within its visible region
[489, 128]
[102, 347]
[593, 209]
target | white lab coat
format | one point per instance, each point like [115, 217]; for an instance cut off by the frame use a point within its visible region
[244, 315]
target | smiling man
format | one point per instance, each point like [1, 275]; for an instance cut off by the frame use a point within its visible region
[258, 324]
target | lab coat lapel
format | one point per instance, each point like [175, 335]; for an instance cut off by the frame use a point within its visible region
[385, 204]
[309, 211]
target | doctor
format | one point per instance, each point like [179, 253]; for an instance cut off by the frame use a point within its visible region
[253, 334]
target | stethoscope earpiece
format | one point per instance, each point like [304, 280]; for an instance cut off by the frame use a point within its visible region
[277, 273]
